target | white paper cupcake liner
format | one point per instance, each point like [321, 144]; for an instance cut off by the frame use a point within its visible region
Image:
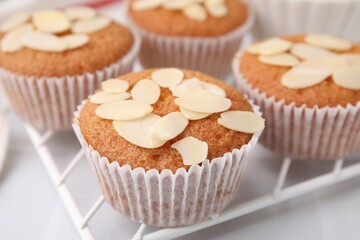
[210, 55]
[279, 17]
[47, 103]
[316, 133]
[165, 198]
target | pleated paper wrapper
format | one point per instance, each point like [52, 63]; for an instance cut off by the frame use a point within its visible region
[210, 55]
[165, 198]
[48, 103]
[279, 17]
[316, 133]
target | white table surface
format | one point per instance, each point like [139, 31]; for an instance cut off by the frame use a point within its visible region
[30, 208]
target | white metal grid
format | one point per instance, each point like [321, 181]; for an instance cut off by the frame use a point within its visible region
[278, 195]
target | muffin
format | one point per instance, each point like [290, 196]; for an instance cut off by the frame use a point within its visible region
[280, 17]
[51, 60]
[171, 151]
[308, 87]
[189, 34]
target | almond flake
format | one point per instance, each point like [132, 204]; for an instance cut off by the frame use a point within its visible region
[104, 97]
[177, 4]
[308, 52]
[348, 77]
[146, 91]
[330, 64]
[75, 40]
[270, 47]
[253, 49]
[79, 12]
[51, 21]
[241, 121]
[169, 126]
[217, 10]
[123, 110]
[137, 131]
[192, 150]
[329, 42]
[90, 25]
[186, 87]
[167, 77]
[193, 115]
[11, 40]
[142, 5]
[298, 78]
[214, 89]
[353, 59]
[195, 12]
[14, 21]
[212, 2]
[115, 85]
[284, 59]
[43, 42]
[203, 101]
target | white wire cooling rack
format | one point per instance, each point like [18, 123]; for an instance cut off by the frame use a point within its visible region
[279, 193]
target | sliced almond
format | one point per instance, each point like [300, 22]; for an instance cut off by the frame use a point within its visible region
[191, 115]
[104, 97]
[203, 101]
[167, 77]
[212, 2]
[330, 64]
[123, 110]
[186, 87]
[43, 42]
[348, 77]
[177, 4]
[298, 78]
[142, 5]
[214, 89]
[195, 12]
[192, 150]
[80, 12]
[11, 40]
[51, 21]
[14, 21]
[284, 59]
[76, 40]
[146, 91]
[169, 126]
[218, 10]
[353, 59]
[137, 131]
[329, 42]
[271, 47]
[91, 25]
[115, 85]
[241, 121]
[308, 52]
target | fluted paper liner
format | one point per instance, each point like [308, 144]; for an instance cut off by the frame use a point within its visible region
[314, 133]
[47, 103]
[211, 55]
[281, 17]
[165, 198]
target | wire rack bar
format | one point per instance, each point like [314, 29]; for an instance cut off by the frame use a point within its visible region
[71, 166]
[281, 178]
[62, 189]
[259, 203]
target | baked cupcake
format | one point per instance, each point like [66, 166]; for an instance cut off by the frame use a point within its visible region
[308, 87]
[168, 146]
[280, 17]
[51, 60]
[190, 34]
